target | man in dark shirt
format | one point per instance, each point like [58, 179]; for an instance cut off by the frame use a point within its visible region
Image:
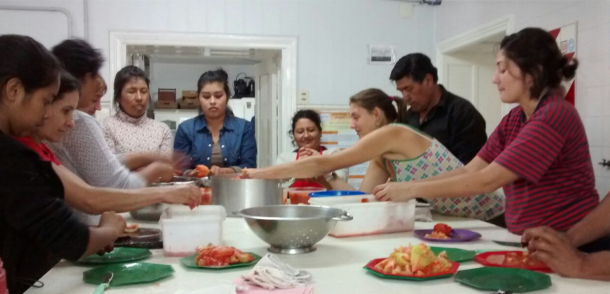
[450, 119]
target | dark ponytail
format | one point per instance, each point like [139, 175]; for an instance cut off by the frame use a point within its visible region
[536, 53]
[569, 69]
[67, 84]
[24, 58]
[371, 98]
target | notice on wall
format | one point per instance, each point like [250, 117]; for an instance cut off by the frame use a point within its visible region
[566, 40]
[337, 134]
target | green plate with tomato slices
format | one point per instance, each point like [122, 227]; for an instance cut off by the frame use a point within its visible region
[515, 280]
[455, 254]
[370, 267]
[189, 261]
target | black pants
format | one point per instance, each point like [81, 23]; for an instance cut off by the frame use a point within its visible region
[601, 244]
[499, 221]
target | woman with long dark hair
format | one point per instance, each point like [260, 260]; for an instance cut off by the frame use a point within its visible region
[216, 138]
[36, 228]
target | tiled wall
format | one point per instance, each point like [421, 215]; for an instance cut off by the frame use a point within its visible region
[593, 77]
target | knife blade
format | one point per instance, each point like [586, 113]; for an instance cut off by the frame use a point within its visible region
[511, 244]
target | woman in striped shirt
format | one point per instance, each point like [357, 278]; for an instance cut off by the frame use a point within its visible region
[539, 153]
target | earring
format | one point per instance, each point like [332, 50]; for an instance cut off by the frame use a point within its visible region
[376, 124]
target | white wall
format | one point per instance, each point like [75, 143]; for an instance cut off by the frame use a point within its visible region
[593, 77]
[184, 76]
[49, 28]
[332, 34]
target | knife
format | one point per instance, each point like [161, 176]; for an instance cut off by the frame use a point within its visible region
[103, 286]
[511, 244]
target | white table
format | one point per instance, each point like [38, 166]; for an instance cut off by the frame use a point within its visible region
[336, 265]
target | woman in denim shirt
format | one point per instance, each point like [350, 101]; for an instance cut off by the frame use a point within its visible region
[217, 139]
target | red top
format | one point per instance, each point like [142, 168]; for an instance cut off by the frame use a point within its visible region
[550, 153]
[306, 183]
[43, 150]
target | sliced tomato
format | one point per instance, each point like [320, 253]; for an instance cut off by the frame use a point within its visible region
[206, 195]
[222, 252]
[443, 228]
[131, 228]
[202, 171]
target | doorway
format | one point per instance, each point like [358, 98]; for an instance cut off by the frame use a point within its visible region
[275, 80]
[467, 64]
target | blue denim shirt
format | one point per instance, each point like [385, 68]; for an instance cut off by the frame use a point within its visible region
[237, 142]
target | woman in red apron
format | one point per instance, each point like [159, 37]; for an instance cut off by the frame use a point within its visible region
[306, 133]
[307, 183]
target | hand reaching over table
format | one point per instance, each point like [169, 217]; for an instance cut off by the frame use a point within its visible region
[393, 191]
[555, 250]
[183, 194]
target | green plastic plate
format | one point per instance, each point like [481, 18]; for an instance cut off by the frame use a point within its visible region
[455, 254]
[128, 273]
[118, 255]
[507, 279]
[189, 261]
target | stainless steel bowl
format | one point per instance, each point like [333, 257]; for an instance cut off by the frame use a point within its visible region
[293, 229]
[236, 194]
[153, 212]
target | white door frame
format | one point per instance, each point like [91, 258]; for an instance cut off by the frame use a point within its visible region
[505, 25]
[288, 45]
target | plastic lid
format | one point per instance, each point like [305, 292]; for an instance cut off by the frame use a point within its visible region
[336, 193]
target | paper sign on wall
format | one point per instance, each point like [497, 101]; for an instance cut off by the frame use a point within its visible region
[382, 54]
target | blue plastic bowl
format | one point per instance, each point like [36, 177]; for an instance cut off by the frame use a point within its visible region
[335, 193]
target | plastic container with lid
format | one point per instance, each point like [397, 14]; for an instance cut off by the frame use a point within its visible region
[371, 217]
[184, 229]
[334, 193]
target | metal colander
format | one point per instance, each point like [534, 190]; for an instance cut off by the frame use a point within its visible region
[293, 229]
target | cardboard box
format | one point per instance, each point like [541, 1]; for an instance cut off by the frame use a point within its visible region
[166, 105]
[189, 95]
[168, 95]
[189, 104]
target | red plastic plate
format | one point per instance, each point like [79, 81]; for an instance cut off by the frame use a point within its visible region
[371, 267]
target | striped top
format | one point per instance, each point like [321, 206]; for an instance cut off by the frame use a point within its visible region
[550, 154]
